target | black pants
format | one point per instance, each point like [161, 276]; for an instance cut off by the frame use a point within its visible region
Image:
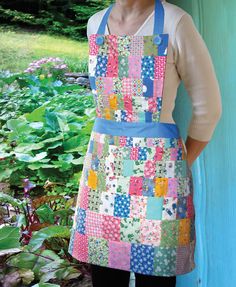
[109, 277]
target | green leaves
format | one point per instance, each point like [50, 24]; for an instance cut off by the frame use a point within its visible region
[9, 237]
[46, 233]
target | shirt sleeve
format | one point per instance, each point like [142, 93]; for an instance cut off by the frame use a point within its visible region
[195, 68]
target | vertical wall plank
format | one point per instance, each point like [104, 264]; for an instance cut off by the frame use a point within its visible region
[214, 171]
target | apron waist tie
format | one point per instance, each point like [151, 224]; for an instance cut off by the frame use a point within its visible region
[136, 129]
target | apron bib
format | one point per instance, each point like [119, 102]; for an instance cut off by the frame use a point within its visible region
[135, 207]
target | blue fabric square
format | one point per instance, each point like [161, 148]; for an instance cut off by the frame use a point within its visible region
[122, 205]
[148, 187]
[162, 48]
[182, 207]
[80, 220]
[179, 154]
[128, 166]
[92, 81]
[123, 116]
[101, 67]
[147, 87]
[129, 141]
[154, 208]
[95, 163]
[159, 104]
[142, 153]
[142, 258]
[147, 69]
[148, 117]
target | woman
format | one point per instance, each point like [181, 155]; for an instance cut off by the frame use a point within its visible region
[135, 209]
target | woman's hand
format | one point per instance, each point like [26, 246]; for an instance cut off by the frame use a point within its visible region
[194, 148]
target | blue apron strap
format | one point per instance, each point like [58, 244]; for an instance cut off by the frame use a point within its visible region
[158, 18]
[102, 26]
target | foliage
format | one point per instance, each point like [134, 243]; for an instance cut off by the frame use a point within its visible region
[62, 17]
[48, 140]
[37, 261]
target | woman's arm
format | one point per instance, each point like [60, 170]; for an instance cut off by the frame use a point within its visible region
[195, 68]
[194, 148]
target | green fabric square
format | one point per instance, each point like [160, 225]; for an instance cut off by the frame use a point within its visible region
[149, 47]
[130, 230]
[123, 66]
[169, 233]
[154, 207]
[98, 251]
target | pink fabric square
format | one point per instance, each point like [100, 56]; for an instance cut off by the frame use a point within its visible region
[119, 255]
[149, 169]
[84, 197]
[134, 153]
[149, 142]
[99, 149]
[159, 153]
[122, 141]
[173, 153]
[112, 66]
[136, 185]
[150, 232]
[128, 103]
[136, 46]
[158, 88]
[159, 67]
[111, 228]
[127, 87]
[138, 206]
[108, 85]
[80, 247]
[172, 187]
[93, 47]
[152, 105]
[93, 223]
[112, 45]
[134, 66]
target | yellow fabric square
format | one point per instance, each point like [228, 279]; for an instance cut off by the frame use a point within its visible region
[92, 179]
[161, 186]
[113, 102]
[184, 231]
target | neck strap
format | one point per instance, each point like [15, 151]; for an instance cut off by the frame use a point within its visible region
[158, 19]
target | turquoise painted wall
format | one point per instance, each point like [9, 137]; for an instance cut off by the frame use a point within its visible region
[215, 170]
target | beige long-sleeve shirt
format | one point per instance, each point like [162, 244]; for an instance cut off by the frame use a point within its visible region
[188, 60]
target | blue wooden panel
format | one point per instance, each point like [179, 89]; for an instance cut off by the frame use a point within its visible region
[214, 171]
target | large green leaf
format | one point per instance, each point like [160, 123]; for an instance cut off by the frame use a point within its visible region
[46, 233]
[45, 214]
[9, 237]
[28, 158]
[25, 147]
[37, 115]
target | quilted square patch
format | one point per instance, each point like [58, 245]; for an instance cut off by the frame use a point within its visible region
[111, 227]
[130, 229]
[170, 233]
[142, 258]
[154, 208]
[150, 232]
[119, 255]
[98, 251]
[122, 205]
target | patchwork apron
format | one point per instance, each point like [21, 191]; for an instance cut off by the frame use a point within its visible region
[135, 207]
